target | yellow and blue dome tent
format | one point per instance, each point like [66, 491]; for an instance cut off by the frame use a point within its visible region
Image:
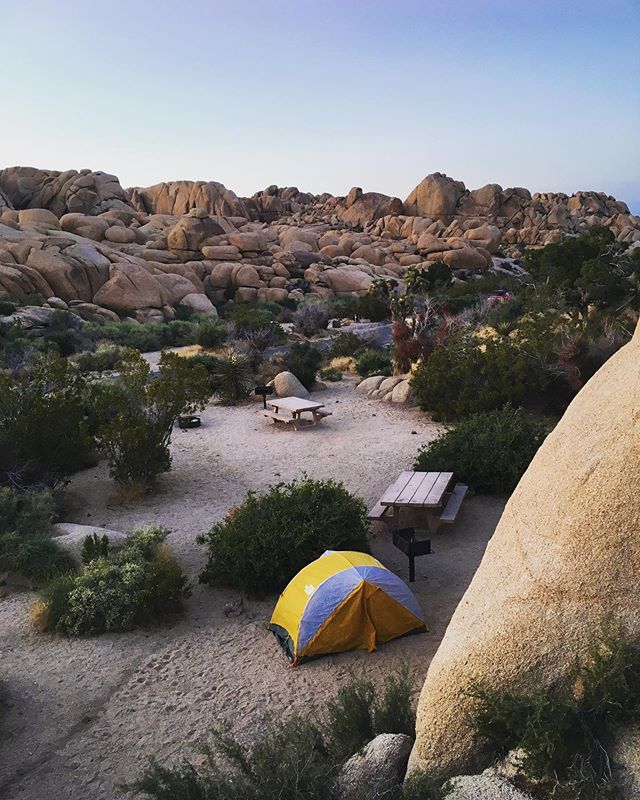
[343, 601]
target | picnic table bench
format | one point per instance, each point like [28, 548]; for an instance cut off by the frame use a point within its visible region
[435, 493]
[296, 406]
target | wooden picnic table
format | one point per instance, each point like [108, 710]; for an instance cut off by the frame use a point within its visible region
[296, 406]
[428, 491]
[431, 492]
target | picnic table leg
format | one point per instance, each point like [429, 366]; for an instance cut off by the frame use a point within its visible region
[412, 568]
[433, 522]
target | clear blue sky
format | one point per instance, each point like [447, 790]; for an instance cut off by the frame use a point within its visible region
[327, 94]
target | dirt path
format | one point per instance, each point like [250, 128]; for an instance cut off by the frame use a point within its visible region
[84, 715]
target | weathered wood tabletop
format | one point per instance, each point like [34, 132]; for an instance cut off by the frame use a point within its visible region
[296, 405]
[417, 490]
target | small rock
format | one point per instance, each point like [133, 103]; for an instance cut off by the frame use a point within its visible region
[234, 608]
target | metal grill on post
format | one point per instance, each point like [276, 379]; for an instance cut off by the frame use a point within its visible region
[405, 539]
[264, 392]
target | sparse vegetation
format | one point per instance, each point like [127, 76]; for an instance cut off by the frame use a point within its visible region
[490, 451]
[373, 362]
[137, 419]
[139, 585]
[564, 733]
[295, 759]
[303, 359]
[44, 425]
[232, 377]
[330, 374]
[264, 542]
[347, 344]
[26, 545]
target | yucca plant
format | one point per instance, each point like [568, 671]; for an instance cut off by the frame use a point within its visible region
[232, 377]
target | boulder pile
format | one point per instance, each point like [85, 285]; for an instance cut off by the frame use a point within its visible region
[81, 237]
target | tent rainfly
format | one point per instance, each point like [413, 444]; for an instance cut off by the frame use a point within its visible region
[343, 601]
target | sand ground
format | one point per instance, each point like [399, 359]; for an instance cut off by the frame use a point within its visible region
[85, 715]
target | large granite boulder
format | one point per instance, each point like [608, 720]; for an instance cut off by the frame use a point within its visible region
[436, 197]
[560, 571]
[130, 288]
[192, 230]
[375, 771]
[364, 209]
[287, 385]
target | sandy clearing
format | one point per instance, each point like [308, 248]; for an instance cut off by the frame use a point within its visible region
[86, 714]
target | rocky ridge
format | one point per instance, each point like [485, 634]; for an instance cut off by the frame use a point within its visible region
[107, 252]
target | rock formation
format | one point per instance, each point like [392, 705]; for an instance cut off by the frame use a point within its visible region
[560, 571]
[79, 236]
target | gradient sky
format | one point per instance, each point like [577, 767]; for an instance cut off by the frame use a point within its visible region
[325, 95]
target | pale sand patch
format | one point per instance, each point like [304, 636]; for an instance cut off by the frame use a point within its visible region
[86, 714]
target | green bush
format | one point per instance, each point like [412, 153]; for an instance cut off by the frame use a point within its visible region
[254, 316]
[232, 377]
[311, 317]
[211, 333]
[464, 378]
[330, 374]
[298, 759]
[564, 732]
[139, 585]
[347, 344]
[303, 359]
[104, 358]
[490, 451]
[373, 362]
[137, 419]
[26, 545]
[357, 715]
[44, 426]
[263, 543]
[94, 546]
[289, 763]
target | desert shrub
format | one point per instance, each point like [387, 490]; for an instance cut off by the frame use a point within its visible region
[408, 346]
[423, 786]
[94, 546]
[137, 419]
[26, 545]
[210, 333]
[343, 364]
[139, 585]
[330, 374]
[232, 377]
[464, 378]
[104, 358]
[264, 542]
[490, 450]
[373, 308]
[303, 359]
[253, 316]
[373, 362]
[505, 313]
[298, 759]
[289, 763]
[347, 343]
[564, 732]
[350, 718]
[311, 317]
[357, 714]
[44, 430]
[147, 336]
